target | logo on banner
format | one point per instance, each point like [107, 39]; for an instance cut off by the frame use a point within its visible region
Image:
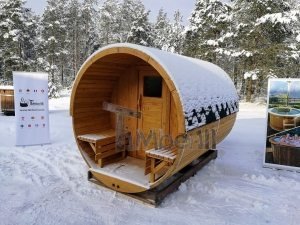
[34, 103]
[26, 103]
[23, 103]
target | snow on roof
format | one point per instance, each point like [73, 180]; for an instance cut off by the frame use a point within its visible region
[6, 87]
[203, 87]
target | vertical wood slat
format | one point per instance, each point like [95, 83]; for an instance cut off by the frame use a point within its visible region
[130, 122]
[7, 103]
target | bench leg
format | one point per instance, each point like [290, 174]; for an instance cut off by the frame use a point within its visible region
[100, 163]
[93, 146]
[152, 173]
[156, 169]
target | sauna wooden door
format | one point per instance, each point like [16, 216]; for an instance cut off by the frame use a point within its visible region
[154, 104]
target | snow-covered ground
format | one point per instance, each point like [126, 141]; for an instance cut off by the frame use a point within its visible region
[48, 184]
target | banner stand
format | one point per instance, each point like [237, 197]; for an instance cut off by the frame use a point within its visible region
[31, 108]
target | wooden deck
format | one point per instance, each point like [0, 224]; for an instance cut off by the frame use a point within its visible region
[155, 196]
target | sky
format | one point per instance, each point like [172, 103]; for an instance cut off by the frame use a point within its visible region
[281, 87]
[170, 6]
[277, 87]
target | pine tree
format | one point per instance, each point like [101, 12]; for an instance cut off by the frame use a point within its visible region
[167, 35]
[17, 37]
[52, 50]
[109, 23]
[209, 22]
[176, 35]
[136, 20]
[90, 39]
[74, 31]
[82, 34]
[263, 28]
[290, 57]
[161, 30]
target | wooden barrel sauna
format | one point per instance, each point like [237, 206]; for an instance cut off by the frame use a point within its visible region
[187, 104]
[7, 104]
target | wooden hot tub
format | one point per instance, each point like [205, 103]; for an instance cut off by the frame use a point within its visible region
[7, 103]
[282, 118]
[285, 153]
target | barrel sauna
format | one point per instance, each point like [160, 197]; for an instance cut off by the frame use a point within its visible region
[175, 109]
[7, 104]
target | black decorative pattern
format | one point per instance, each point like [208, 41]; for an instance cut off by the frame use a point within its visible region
[203, 116]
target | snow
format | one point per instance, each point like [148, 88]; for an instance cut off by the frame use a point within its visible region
[212, 42]
[298, 38]
[52, 38]
[48, 184]
[251, 74]
[14, 32]
[242, 53]
[6, 87]
[283, 18]
[6, 35]
[233, 53]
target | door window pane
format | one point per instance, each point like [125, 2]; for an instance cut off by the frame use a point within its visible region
[153, 86]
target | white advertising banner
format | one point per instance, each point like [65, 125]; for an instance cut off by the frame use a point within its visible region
[31, 108]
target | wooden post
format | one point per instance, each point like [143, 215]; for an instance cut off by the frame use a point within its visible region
[121, 134]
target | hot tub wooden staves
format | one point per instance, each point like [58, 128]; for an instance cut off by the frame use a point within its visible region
[175, 97]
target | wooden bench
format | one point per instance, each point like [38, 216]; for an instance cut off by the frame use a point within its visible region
[159, 159]
[103, 144]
